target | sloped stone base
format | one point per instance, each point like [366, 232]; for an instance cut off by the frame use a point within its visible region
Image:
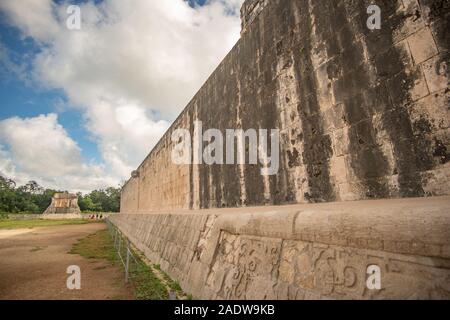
[320, 251]
[62, 216]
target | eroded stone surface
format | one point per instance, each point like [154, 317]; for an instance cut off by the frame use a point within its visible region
[319, 251]
[362, 114]
[63, 204]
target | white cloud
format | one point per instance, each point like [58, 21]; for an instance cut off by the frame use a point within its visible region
[41, 145]
[129, 134]
[131, 68]
[39, 148]
[34, 17]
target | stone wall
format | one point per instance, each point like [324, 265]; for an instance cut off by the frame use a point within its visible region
[315, 251]
[250, 11]
[63, 203]
[20, 216]
[363, 114]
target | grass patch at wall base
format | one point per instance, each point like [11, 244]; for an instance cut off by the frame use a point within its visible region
[96, 246]
[100, 245]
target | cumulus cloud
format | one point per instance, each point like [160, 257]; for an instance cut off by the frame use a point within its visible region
[131, 68]
[40, 148]
[38, 142]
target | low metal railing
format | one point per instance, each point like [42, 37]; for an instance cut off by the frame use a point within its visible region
[123, 249]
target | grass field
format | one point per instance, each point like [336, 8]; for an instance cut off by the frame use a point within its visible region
[29, 224]
[148, 283]
[96, 246]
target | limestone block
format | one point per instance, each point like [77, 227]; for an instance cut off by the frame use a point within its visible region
[436, 72]
[362, 114]
[64, 203]
[317, 251]
[422, 45]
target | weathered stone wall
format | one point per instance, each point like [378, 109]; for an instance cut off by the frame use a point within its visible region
[363, 114]
[19, 216]
[63, 203]
[62, 216]
[250, 11]
[315, 251]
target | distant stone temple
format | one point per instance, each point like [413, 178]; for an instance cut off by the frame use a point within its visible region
[64, 203]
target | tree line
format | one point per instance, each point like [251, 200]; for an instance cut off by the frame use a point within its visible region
[33, 198]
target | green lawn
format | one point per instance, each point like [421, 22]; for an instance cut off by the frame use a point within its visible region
[146, 283]
[20, 224]
[96, 246]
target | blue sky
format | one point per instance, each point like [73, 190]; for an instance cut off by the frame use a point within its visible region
[72, 91]
[22, 100]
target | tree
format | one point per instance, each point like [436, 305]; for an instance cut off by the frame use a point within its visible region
[100, 200]
[85, 203]
[44, 199]
[32, 198]
[32, 187]
[7, 195]
[114, 199]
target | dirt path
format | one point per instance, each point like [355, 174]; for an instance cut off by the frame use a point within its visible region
[33, 264]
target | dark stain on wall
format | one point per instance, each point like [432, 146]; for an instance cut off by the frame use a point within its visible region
[191, 166]
[409, 151]
[317, 144]
[370, 88]
[354, 90]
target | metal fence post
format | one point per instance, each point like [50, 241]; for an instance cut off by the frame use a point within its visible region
[115, 238]
[172, 295]
[127, 264]
[120, 243]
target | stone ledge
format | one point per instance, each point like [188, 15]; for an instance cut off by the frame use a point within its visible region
[61, 216]
[408, 238]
